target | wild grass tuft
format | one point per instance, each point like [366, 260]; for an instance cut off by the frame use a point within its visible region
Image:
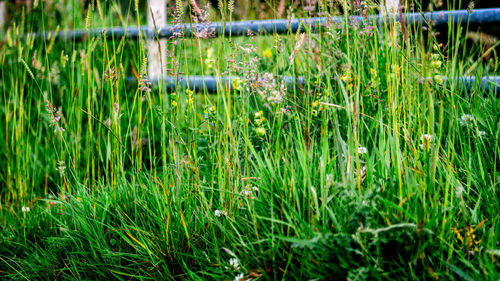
[371, 168]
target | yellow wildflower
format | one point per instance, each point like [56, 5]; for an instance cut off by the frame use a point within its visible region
[210, 60]
[237, 82]
[267, 53]
[438, 79]
[436, 63]
[260, 131]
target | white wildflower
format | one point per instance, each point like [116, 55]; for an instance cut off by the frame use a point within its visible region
[362, 171]
[219, 213]
[61, 168]
[235, 263]
[275, 97]
[481, 133]
[240, 277]
[466, 118]
[25, 209]
[426, 141]
[362, 150]
[427, 137]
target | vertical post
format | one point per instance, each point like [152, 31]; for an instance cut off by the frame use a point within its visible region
[157, 48]
[390, 7]
[2, 15]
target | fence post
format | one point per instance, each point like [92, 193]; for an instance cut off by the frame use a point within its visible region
[390, 7]
[2, 15]
[157, 48]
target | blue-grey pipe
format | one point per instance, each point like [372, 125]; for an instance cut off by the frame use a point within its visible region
[281, 26]
[489, 83]
[210, 83]
[207, 83]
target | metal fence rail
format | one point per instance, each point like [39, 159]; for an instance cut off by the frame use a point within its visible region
[281, 26]
[477, 17]
[207, 83]
[210, 83]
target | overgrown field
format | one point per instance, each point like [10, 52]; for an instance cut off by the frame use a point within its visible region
[380, 165]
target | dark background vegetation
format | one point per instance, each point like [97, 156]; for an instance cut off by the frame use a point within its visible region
[248, 10]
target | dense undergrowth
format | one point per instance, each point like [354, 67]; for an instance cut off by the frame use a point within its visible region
[380, 165]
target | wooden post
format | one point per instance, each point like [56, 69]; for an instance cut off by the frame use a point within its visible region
[2, 15]
[157, 58]
[390, 7]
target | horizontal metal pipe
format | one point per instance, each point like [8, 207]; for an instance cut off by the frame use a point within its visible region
[210, 83]
[489, 83]
[279, 26]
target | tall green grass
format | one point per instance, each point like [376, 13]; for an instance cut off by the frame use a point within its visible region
[371, 169]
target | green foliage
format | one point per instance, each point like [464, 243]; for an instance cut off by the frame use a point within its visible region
[366, 171]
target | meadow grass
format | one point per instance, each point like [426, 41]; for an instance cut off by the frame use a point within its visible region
[372, 169]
